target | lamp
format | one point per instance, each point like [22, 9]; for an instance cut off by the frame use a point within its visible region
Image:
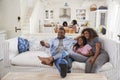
[66, 4]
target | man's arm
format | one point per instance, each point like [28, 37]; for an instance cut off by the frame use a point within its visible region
[47, 45]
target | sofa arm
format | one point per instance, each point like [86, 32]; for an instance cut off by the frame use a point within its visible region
[5, 48]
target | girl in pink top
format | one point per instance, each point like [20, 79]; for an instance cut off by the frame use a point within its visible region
[81, 47]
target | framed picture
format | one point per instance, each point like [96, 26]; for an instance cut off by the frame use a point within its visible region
[81, 14]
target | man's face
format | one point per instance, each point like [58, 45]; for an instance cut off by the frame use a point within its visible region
[61, 34]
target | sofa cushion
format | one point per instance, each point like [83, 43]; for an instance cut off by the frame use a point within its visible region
[81, 66]
[29, 59]
[106, 66]
[23, 45]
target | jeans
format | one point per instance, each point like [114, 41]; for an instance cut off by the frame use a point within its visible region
[64, 59]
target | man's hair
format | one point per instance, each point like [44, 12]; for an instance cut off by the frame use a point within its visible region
[61, 28]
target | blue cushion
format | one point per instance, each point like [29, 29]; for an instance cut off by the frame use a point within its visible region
[23, 45]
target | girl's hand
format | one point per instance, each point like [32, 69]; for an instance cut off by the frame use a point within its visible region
[92, 60]
[90, 53]
[78, 52]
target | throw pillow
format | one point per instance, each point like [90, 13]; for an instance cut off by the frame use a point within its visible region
[23, 45]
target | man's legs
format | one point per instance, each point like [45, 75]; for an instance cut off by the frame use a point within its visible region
[62, 66]
[65, 55]
[46, 60]
[69, 60]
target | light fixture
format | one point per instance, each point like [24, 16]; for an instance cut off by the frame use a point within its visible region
[66, 4]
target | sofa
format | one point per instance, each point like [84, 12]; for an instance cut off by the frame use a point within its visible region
[28, 61]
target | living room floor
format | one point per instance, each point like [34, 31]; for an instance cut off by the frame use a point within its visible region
[3, 71]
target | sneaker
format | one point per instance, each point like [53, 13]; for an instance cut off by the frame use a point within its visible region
[64, 68]
[69, 71]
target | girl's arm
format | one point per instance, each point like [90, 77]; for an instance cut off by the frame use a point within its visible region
[90, 53]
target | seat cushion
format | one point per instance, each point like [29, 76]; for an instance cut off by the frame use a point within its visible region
[106, 66]
[81, 66]
[29, 59]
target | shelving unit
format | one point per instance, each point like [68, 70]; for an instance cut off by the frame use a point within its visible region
[49, 14]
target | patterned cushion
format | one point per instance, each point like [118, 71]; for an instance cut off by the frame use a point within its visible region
[23, 45]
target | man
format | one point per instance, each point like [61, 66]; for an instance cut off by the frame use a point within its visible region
[59, 48]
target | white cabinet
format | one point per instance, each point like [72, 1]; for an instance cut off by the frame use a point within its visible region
[49, 14]
[101, 18]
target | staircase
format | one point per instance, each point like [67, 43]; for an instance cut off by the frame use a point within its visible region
[26, 22]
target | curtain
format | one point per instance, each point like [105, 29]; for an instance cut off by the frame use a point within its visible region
[113, 20]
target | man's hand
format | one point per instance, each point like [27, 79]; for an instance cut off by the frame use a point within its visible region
[42, 43]
[45, 44]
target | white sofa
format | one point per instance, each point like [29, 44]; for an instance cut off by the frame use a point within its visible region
[28, 61]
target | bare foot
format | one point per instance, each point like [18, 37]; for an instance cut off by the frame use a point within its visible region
[46, 61]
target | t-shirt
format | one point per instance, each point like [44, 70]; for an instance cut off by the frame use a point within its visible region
[93, 42]
[85, 49]
[60, 46]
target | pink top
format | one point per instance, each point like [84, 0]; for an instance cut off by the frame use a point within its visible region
[85, 49]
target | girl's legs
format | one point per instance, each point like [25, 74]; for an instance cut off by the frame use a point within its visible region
[78, 57]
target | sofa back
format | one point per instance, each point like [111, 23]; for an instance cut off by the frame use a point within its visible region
[34, 42]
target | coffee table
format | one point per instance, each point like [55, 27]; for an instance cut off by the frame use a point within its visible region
[51, 76]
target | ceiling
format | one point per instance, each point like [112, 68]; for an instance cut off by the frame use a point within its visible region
[80, 2]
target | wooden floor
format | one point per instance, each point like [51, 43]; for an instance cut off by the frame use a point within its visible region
[51, 76]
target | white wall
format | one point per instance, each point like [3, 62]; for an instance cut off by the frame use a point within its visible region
[0, 15]
[25, 5]
[9, 11]
[36, 17]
